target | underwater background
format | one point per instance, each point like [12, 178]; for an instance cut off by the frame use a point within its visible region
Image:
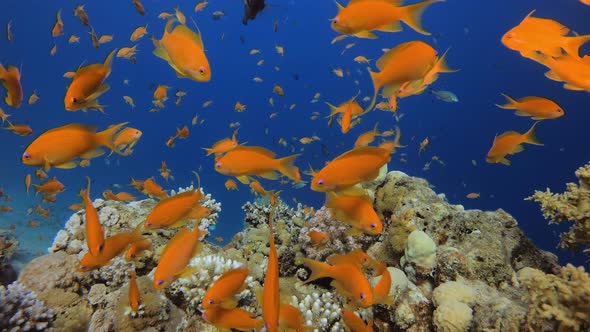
[459, 133]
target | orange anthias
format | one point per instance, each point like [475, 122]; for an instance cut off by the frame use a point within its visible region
[291, 319]
[59, 146]
[176, 256]
[510, 143]
[11, 81]
[134, 298]
[235, 318]
[355, 323]
[152, 189]
[270, 292]
[113, 247]
[94, 233]
[356, 211]
[224, 145]
[538, 108]
[222, 291]
[175, 211]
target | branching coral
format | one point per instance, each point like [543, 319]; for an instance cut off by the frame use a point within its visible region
[557, 303]
[574, 206]
[22, 311]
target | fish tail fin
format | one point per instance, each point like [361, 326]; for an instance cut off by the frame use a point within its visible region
[85, 191]
[288, 168]
[531, 136]
[441, 65]
[318, 269]
[107, 137]
[333, 112]
[412, 15]
[3, 72]
[573, 44]
[209, 151]
[376, 87]
[108, 62]
[511, 105]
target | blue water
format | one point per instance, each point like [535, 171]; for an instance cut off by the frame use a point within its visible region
[458, 132]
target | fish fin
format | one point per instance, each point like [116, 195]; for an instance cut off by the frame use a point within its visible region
[68, 165]
[101, 89]
[287, 167]
[511, 105]
[390, 90]
[229, 304]
[318, 269]
[257, 149]
[340, 7]
[244, 179]
[569, 86]
[573, 44]
[355, 190]
[518, 148]
[391, 27]
[92, 153]
[553, 76]
[108, 62]
[159, 51]
[338, 38]
[523, 113]
[180, 223]
[330, 199]
[531, 137]
[187, 32]
[376, 87]
[505, 161]
[269, 175]
[441, 65]
[107, 137]
[412, 15]
[365, 34]
[353, 231]
[70, 74]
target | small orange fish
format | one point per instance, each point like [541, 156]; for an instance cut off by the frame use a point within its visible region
[510, 143]
[367, 138]
[200, 6]
[52, 186]
[278, 90]
[28, 182]
[33, 98]
[165, 171]
[349, 110]
[33, 223]
[137, 248]
[11, 82]
[235, 318]
[152, 189]
[79, 11]
[355, 323]
[231, 185]
[224, 145]
[19, 129]
[126, 140]
[94, 234]
[423, 145]
[239, 107]
[318, 239]
[138, 33]
[182, 133]
[243, 161]
[84, 163]
[134, 298]
[139, 7]
[161, 92]
[9, 35]
[473, 195]
[356, 211]
[257, 188]
[58, 27]
[40, 174]
[222, 291]
[176, 256]
[120, 197]
[538, 108]
[113, 247]
[3, 116]
[5, 208]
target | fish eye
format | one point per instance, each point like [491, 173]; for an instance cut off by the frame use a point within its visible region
[218, 165]
[160, 281]
[211, 301]
[204, 316]
[26, 155]
[335, 21]
[100, 247]
[320, 182]
[362, 296]
[373, 225]
[74, 100]
[202, 70]
[148, 224]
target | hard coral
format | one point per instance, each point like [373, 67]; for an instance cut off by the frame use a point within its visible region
[573, 205]
[22, 311]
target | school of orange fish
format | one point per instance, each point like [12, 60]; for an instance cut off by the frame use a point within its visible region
[404, 70]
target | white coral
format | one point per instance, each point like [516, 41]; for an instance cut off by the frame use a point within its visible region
[22, 311]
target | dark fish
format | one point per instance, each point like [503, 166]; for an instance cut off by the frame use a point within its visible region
[275, 27]
[325, 150]
[251, 9]
[139, 7]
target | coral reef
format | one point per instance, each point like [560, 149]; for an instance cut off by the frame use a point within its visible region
[573, 206]
[22, 311]
[8, 247]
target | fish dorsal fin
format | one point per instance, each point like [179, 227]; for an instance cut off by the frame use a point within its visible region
[187, 32]
[357, 152]
[77, 126]
[257, 149]
[393, 2]
[340, 8]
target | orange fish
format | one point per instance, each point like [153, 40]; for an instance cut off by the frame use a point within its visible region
[231, 185]
[406, 62]
[356, 257]
[3, 116]
[113, 247]
[243, 161]
[152, 189]
[224, 145]
[33, 223]
[5, 208]
[84, 163]
[164, 171]
[177, 210]
[381, 290]
[139, 7]
[290, 319]
[538, 108]
[222, 291]
[349, 280]
[94, 233]
[57, 147]
[176, 256]
[183, 49]
[350, 168]
[510, 143]
[572, 71]
[120, 197]
[367, 138]
[349, 110]
[58, 27]
[473, 195]
[239, 107]
[126, 139]
[356, 211]
[28, 182]
[40, 174]
[137, 184]
[87, 85]
[359, 18]
[235, 318]
[18, 129]
[11, 82]
[182, 133]
[256, 187]
[270, 291]
[355, 323]
[136, 248]
[134, 298]
[79, 11]
[52, 186]
[318, 239]
[161, 92]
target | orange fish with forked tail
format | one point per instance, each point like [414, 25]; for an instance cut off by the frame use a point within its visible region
[359, 18]
[87, 85]
[290, 319]
[134, 298]
[94, 233]
[11, 81]
[355, 323]
[59, 146]
[270, 292]
[510, 143]
[356, 211]
[183, 49]
[538, 108]
[222, 291]
[176, 256]
[113, 247]
[244, 161]
[224, 145]
[235, 318]
[177, 210]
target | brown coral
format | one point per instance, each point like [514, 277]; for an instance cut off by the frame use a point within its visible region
[573, 205]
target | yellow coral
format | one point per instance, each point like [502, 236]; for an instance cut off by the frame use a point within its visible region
[557, 303]
[573, 205]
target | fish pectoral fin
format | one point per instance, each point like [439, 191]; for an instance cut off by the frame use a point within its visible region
[161, 53]
[391, 27]
[353, 231]
[70, 74]
[230, 304]
[92, 153]
[338, 38]
[244, 179]
[366, 34]
[521, 113]
[553, 76]
[517, 149]
[270, 175]
[355, 190]
[569, 86]
[68, 165]
[181, 222]
[101, 89]
[505, 162]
